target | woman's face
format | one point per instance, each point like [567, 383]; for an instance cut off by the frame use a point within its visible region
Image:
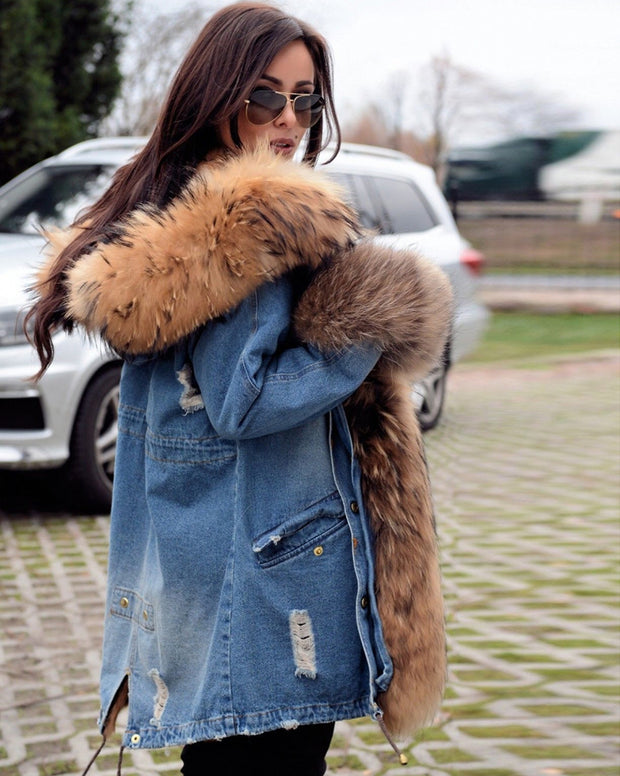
[290, 71]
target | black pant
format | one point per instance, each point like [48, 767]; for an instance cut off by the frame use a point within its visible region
[298, 752]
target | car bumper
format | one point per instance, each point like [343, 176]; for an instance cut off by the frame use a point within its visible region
[470, 324]
[36, 419]
[30, 437]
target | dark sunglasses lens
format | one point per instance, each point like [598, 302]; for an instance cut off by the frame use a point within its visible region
[264, 105]
[308, 108]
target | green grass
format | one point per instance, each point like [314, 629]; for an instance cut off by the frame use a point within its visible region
[531, 336]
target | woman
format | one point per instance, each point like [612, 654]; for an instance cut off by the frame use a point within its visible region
[272, 560]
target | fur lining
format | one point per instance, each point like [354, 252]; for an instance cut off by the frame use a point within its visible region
[241, 223]
[389, 448]
[403, 302]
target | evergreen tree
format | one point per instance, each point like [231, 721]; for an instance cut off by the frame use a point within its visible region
[59, 75]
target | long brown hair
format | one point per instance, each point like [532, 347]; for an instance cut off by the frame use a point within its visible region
[231, 53]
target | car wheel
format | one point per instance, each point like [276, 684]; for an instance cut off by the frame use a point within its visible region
[429, 396]
[429, 393]
[93, 443]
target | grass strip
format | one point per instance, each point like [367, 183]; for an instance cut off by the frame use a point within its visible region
[514, 336]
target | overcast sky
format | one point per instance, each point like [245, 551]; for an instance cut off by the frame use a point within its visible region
[569, 49]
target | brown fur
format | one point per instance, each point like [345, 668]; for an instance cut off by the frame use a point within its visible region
[242, 223]
[402, 302]
[238, 224]
[392, 297]
[389, 449]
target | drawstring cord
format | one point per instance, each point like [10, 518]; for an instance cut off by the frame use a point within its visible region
[402, 757]
[94, 757]
[98, 752]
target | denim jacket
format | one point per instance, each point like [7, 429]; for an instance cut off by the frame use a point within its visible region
[273, 558]
[240, 561]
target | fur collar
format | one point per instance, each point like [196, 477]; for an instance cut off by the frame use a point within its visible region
[241, 223]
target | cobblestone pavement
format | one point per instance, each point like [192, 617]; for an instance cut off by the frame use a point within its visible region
[525, 470]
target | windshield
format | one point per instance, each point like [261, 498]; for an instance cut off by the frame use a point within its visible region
[51, 197]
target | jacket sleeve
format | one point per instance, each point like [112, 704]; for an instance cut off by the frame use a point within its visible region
[254, 383]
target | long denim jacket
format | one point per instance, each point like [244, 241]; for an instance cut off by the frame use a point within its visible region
[249, 586]
[241, 582]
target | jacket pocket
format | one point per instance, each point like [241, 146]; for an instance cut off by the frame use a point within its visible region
[129, 605]
[205, 451]
[299, 532]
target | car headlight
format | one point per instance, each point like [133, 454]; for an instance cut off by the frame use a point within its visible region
[12, 327]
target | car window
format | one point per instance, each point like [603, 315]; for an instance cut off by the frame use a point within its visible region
[51, 197]
[359, 199]
[405, 207]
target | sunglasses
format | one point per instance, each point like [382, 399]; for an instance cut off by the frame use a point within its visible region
[265, 105]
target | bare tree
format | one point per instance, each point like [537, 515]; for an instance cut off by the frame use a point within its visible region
[396, 95]
[424, 121]
[370, 128]
[455, 102]
[386, 123]
[154, 50]
[450, 98]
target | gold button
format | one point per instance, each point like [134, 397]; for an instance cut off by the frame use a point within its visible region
[364, 602]
[355, 542]
[135, 739]
[145, 614]
[124, 602]
[318, 551]
[355, 507]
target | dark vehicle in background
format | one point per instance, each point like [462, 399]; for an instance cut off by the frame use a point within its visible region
[509, 171]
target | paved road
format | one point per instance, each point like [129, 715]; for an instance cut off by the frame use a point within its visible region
[525, 469]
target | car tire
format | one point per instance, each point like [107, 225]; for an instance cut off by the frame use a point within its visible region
[429, 394]
[432, 390]
[90, 469]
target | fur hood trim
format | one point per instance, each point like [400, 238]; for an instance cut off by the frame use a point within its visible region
[162, 273]
[241, 223]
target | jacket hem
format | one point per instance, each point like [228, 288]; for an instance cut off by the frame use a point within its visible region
[242, 724]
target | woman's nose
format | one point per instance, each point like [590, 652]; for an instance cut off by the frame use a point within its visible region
[287, 118]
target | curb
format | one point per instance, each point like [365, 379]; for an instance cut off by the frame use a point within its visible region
[565, 300]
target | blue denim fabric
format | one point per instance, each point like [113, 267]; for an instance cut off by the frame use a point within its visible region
[240, 591]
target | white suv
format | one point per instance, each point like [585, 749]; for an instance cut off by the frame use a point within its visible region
[68, 420]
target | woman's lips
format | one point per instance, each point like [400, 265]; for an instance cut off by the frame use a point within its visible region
[283, 145]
